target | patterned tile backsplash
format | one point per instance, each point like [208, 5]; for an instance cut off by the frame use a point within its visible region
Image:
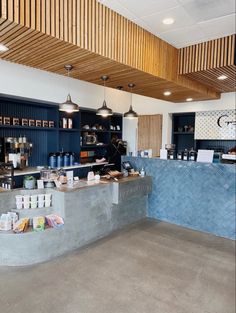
[200, 196]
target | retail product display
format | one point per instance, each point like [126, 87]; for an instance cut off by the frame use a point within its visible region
[8, 220]
[21, 225]
[33, 201]
[54, 220]
[38, 223]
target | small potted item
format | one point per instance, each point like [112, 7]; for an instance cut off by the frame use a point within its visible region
[29, 182]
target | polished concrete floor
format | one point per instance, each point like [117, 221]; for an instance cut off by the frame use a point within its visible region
[150, 267]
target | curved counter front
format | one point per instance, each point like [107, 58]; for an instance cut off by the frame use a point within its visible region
[90, 212]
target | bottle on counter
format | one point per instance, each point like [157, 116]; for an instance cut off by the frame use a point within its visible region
[52, 160]
[192, 155]
[66, 159]
[142, 172]
[72, 158]
[179, 155]
[185, 155]
[60, 159]
[70, 123]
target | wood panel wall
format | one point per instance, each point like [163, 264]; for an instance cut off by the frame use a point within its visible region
[208, 60]
[46, 33]
[150, 133]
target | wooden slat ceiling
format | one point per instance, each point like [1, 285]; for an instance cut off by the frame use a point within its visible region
[206, 61]
[47, 34]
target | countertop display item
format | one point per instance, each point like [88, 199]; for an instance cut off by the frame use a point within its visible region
[185, 155]
[90, 176]
[8, 220]
[54, 220]
[192, 155]
[29, 182]
[38, 223]
[142, 172]
[179, 155]
[21, 225]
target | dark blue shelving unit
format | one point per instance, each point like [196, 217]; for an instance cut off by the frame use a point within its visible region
[46, 140]
[185, 140]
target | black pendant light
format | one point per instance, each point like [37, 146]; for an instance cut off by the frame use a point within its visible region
[104, 110]
[68, 106]
[131, 114]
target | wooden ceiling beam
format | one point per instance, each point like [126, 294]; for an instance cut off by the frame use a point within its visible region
[47, 34]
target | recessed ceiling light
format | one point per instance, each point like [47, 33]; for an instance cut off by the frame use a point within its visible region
[189, 99]
[222, 77]
[168, 21]
[3, 48]
[167, 93]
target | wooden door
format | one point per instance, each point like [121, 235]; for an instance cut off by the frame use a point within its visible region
[150, 133]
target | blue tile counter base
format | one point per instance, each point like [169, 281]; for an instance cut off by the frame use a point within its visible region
[199, 196]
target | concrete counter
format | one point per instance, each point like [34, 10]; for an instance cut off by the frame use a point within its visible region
[200, 196]
[89, 212]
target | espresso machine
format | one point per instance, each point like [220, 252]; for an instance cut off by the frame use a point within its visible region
[17, 151]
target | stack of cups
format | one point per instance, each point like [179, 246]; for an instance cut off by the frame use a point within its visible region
[41, 200]
[26, 201]
[48, 197]
[19, 202]
[33, 201]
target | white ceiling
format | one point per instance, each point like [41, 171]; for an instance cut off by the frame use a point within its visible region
[195, 20]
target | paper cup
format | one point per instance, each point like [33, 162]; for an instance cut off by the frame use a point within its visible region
[26, 205]
[41, 204]
[48, 196]
[47, 203]
[33, 205]
[33, 198]
[18, 198]
[19, 205]
[41, 197]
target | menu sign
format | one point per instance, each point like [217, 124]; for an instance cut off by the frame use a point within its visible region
[215, 125]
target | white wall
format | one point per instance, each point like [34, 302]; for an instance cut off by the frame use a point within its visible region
[19, 80]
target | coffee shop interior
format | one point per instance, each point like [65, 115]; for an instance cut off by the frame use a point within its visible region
[117, 156]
